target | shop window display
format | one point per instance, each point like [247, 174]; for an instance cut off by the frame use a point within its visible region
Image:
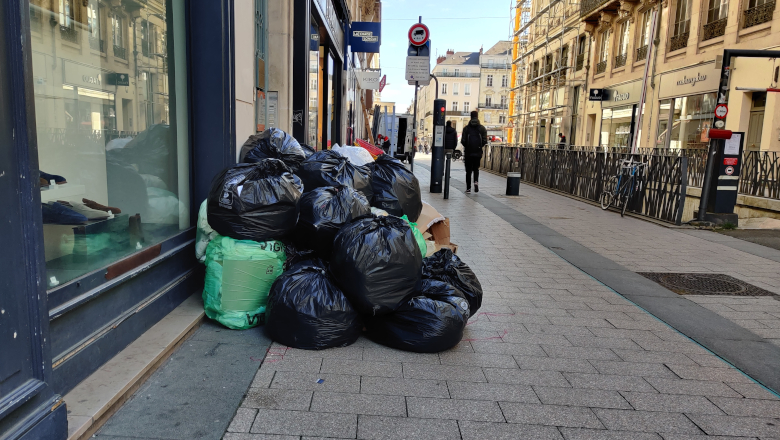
[616, 126]
[686, 121]
[112, 147]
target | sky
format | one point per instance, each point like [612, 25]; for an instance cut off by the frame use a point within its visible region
[460, 25]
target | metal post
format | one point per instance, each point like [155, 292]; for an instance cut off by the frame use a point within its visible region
[393, 135]
[643, 95]
[414, 126]
[448, 157]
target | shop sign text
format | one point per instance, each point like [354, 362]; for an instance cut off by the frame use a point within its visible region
[693, 80]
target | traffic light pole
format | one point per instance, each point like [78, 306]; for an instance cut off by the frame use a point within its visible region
[437, 159]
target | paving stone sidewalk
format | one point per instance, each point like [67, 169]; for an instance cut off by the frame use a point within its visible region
[552, 354]
[643, 246]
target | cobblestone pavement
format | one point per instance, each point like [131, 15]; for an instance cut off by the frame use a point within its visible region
[552, 354]
[643, 246]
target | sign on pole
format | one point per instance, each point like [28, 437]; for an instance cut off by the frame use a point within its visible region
[382, 83]
[365, 36]
[419, 34]
[368, 79]
[418, 68]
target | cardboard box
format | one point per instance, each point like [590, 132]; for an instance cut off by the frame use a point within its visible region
[441, 232]
[428, 217]
[451, 246]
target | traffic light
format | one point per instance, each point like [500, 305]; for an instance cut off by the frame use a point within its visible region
[439, 111]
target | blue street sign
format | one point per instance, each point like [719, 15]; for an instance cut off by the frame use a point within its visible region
[365, 36]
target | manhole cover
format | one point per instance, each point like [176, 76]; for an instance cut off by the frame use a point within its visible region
[705, 284]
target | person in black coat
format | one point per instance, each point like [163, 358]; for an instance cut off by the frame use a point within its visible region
[386, 145]
[450, 138]
[473, 139]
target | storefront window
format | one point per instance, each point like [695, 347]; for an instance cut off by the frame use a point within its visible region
[616, 126]
[691, 119]
[112, 147]
[314, 85]
[555, 128]
[663, 123]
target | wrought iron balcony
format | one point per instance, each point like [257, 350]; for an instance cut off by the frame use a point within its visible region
[759, 14]
[641, 52]
[69, 34]
[580, 62]
[587, 6]
[679, 41]
[120, 52]
[495, 66]
[493, 105]
[601, 67]
[620, 60]
[457, 75]
[96, 44]
[715, 29]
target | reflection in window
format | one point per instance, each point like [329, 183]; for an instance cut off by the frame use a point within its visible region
[692, 117]
[112, 148]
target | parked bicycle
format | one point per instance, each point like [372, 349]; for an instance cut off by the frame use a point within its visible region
[620, 188]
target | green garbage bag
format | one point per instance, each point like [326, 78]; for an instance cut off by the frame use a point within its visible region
[418, 236]
[239, 275]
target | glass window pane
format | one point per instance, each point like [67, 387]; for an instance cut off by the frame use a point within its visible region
[112, 135]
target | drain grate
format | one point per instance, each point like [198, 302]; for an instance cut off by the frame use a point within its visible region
[705, 284]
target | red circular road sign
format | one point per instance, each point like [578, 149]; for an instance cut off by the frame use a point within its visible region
[721, 111]
[419, 34]
[729, 171]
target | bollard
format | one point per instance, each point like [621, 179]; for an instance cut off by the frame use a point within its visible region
[513, 184]
[447, 159]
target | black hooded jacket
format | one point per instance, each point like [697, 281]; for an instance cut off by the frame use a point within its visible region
[473, 138]
[450, 138]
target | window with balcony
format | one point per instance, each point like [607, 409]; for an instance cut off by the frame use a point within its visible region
[454, 106]
[601, 67]
[625, 36]
[504, 81]
[490, 80]
[503, 101]
[455, 88]
[444, 89]
[95, 26]
[467, 89]
[758, 12]
[646, 25]
[717, 16]
[68, 16]
[681, 29]
[466, 107]
[488, 100]
[582, 43]
[457, 71]
[118, 30]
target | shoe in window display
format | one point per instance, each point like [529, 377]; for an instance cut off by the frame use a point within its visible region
[59, 180]
[58, 214]
[89, 213]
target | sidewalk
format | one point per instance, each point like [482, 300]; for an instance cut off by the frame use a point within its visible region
[552, 354]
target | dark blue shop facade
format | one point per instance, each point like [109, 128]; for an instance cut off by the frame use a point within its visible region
[114, 117]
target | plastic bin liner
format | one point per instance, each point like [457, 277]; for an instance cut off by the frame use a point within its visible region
[430, 322]
[446, 266]
[273, 144]
[356, 155]
[308, 150]
[418, 236]
[328, 168]
[396, 190]
[256, 201]
[239, 274]
[307, 310]
[323, 212]
[296, 254]
[377, 263]
[203, 233]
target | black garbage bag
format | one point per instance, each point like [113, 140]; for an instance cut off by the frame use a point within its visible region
[396, 190]
[328, 168]
[323, 211]
[430, 322]
[307, 310]
[377, 263]
[255, 201]
[150, 153]
[446, 266]
[308, 150]
[273, 144]
[296, 253]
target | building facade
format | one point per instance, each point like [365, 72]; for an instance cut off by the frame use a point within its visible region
[494, 74]
[458, 81]
[610, 44]
[133, 106]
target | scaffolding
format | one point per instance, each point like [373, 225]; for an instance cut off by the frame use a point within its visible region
[541, 60]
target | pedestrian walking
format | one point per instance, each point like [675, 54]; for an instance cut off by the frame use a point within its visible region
[450, 138]
[561, 141]
[473, 138]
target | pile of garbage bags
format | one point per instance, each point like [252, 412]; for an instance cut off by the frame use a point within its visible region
[323, 246]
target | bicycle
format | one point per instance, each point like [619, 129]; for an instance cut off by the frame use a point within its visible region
[621, 186]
